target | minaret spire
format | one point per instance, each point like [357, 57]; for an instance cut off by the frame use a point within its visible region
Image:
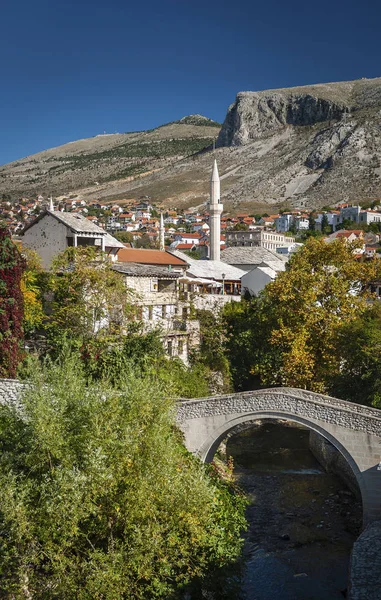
[161, 233]
[51, 205]
[215, 210]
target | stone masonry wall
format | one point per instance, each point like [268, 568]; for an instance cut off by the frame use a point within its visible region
[365, 567]
[293, 401]
[333, 461]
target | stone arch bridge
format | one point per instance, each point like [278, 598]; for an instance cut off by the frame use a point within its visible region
[353, 429]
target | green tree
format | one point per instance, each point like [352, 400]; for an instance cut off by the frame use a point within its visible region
[325, 227]
[359, 346]
[241, 227]
[311, 221]
[300, 314]
[212, 331]
[99, 498]
[32, 292]
[241, 341]
[89, 298]
[11, 305]
[125, 237]
[144, 242]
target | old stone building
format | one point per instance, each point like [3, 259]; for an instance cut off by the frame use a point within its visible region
[156, 295]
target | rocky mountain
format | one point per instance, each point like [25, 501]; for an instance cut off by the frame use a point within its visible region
[307, 146]
[303, 146]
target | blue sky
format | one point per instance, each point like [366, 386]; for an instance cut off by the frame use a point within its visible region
[75, 68]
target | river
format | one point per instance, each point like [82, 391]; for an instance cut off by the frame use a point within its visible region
[302, 521]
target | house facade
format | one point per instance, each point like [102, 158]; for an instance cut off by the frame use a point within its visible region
[54, 231]
[260, 237]
[159, 306]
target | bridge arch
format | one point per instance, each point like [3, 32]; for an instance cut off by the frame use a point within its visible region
[353, 429]
[207, 452]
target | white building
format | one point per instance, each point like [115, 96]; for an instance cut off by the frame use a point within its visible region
[284, 222]
[287, 250]
[369, 216]
[333, 220]
[259, 237]
[256, 280]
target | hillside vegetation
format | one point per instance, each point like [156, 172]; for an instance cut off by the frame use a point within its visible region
[107, 158]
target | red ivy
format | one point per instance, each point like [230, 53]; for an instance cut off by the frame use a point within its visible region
[11, 305]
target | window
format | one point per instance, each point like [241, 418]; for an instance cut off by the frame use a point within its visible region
[167, 285]
[185, 312]
[170, 347]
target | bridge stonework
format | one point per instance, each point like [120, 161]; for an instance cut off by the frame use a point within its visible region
[353, 429]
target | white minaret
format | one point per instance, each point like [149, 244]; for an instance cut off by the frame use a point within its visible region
[51, 205]
[215, 210]
[161, 233]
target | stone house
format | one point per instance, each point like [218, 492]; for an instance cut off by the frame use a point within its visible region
[54, 231]
[159, 305]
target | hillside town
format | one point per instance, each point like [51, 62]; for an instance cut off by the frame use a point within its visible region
[197, 288]
[179, 262]
[190, 301]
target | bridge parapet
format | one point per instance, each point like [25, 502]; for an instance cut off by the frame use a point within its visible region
[353, 429]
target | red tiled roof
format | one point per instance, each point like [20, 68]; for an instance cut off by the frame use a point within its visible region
[184, 246]
[149, 257]
[192, 236]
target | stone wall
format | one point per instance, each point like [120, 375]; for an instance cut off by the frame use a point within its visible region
[333, 461]
[365, 568]
[47, 237]
[10, 391]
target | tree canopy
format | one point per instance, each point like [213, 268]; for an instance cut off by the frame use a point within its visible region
[100, 499]
[294, 326]
[88, 297]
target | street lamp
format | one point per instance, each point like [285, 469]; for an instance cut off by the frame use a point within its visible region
[223, 283]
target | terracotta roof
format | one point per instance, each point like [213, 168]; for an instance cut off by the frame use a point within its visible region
[348, 233]
[192, 236]
[149, 257]
[185, 246]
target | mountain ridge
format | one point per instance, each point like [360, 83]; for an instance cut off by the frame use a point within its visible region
[305, 146]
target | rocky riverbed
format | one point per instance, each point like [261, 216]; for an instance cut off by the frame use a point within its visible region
[302, 521]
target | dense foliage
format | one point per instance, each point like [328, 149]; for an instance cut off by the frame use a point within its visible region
[100, 499]
[88, 297]
[359, 346]
[11, 305]
[298, 331]
[32, 291]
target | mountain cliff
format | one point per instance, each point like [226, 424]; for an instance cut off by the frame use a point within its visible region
[307, 146]
[302, 146]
